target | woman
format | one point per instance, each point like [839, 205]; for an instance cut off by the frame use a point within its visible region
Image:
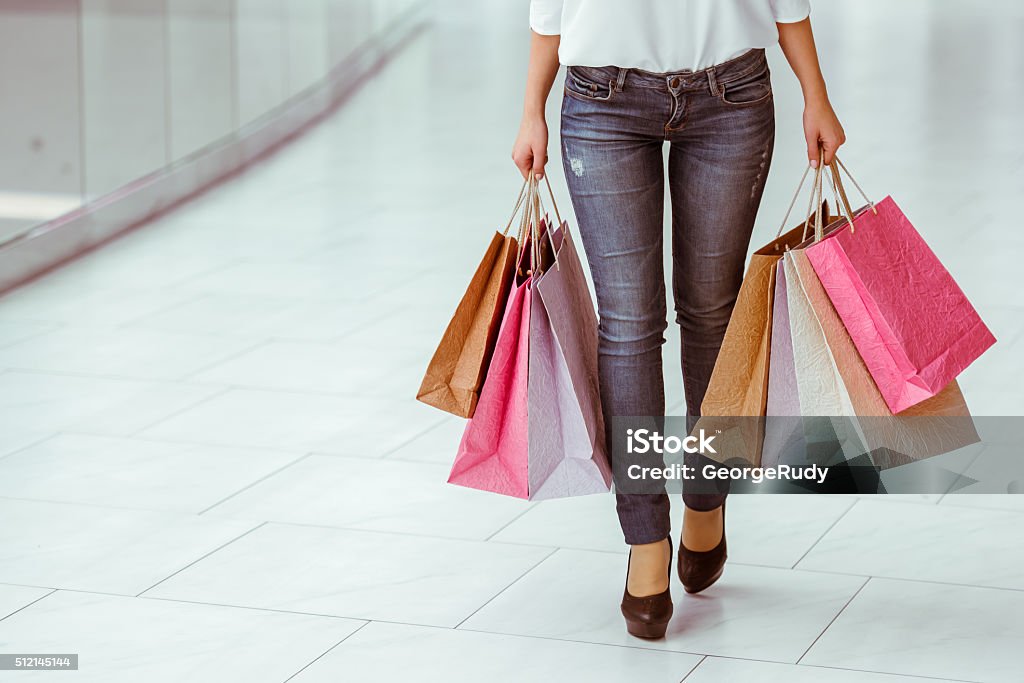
[692, 74]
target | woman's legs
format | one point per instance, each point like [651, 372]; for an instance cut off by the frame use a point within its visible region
[613, 131]
[619, 200]
[614, 167]
[718, 165]
[619, 205]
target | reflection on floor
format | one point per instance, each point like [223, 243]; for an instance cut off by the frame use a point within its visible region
[212, 468]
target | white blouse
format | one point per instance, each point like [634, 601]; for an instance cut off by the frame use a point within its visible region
[661, 35]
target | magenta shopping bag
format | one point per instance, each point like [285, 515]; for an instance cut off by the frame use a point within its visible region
[910, 321]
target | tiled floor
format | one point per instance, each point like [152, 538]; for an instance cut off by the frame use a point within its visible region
[212, 467]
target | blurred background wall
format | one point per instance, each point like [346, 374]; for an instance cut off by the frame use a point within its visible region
[98, 94]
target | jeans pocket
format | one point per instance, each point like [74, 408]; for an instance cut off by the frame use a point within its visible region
[751, 89]
[588, 84]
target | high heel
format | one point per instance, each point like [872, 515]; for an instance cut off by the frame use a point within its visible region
[648, 616]
[699, 569]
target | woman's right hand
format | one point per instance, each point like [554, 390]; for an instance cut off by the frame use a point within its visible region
[530, 152]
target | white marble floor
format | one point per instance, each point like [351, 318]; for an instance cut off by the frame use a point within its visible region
[212, 467]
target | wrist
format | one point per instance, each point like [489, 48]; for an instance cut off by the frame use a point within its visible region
[816, 97]
[533, 114]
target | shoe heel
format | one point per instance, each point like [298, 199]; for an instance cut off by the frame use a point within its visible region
[643, 629]
[705, 584]
[698, 570]
[648, 617]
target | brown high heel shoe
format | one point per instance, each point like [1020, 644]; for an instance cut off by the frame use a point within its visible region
[648, 616]
[699, 569]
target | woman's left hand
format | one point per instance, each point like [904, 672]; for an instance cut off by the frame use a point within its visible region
[822, 130]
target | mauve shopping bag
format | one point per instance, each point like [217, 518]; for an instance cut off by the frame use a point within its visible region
[566, 426]
[783, 434]
[910, 321]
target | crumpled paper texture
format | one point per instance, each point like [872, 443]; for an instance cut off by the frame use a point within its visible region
[910, 321]
[906, 434]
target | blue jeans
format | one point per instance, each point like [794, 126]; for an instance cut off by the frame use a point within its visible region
[720, 126]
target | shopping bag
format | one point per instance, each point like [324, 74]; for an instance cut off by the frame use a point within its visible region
[566, 426]
[783, 433]
[937, 425]
[492, 454]
[538, 431]
[456, 370]
[820, 387]
[739, 380]
[836, 394]
[910, 321]
[822, 393]
[735, 402]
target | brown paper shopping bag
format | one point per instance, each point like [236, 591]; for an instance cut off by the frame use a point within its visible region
[739, 381]
[738, 389]
[457, 369]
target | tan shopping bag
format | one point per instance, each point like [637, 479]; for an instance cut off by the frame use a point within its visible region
[738, 390]
[457, 369]
[739, 382]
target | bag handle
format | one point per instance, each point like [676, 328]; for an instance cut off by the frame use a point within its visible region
[840, 196]
[815, 192]
[816, 201]
[540, 204]
[554, 204]
[838, 164]
[531, 204]
[838, 193]
[519, 203]
[535, 227]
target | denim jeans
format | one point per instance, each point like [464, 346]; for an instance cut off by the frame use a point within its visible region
[720, 126]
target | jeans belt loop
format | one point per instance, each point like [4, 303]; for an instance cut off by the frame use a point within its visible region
[621, 80]
[713, 81]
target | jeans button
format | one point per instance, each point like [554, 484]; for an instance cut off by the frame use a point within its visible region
[674, 82]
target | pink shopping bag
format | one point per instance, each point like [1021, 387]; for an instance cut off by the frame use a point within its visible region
[910, 321]
[493, 453]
